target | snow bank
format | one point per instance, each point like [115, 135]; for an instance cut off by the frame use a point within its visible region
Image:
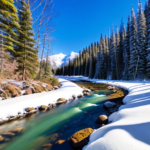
[130, 126]
[12, 106]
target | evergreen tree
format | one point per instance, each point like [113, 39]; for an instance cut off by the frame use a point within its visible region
[141, 35]
[134, 52]
[86, 62]
[147, 14]
[91, 61]
[107, 57]
[126, 52]
[8, 25]
[26, 53]
[98, 65]
[114, 68]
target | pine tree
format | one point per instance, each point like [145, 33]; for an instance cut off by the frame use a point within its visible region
[8, 26]
[26, 53]
[91, 61]
[86, 62]
[122, 47]
[114, 68]
[107, 57]
[147, 14]
[126, 52]
[98, 65]
[141, 35]
[134, 52]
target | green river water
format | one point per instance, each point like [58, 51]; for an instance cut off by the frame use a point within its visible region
[63, 121]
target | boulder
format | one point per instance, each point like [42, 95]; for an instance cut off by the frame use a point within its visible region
[28, 91]
[12, 90]
[81, 138]
[43, 107]
[38, 88]
[80, 96]
[102, 119]
[1, 138]
[74, 97]
[61, 99]
[86, 93]
[54, 105]
[86, 90]
[30, 109]
[17, 130]
[25, 84]
[8, 135]
[4, 95]
[49, 87]
[50, 107]
[91, 88]
[108, 104]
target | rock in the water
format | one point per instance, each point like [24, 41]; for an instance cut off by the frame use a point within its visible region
[17, 130]
[61, 100]
[80, 96]
[109, 104]
[91, 88]
[86, 90]
[43, 107]
[8, 135]
[50, 107]
[74, 97]
[102, 119]
[1, 138]
[81, 138]
[60, 141]
[30, 109]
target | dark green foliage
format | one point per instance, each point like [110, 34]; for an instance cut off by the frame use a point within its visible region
[26, 53]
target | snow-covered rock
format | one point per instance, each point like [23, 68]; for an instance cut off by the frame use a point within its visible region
[13, 106]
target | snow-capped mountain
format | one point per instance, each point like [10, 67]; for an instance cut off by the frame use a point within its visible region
[59, 60]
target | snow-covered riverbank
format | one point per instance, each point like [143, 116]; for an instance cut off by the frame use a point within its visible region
[13, 106]
[129, 127]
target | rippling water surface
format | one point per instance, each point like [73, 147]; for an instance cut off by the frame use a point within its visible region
[57, 124]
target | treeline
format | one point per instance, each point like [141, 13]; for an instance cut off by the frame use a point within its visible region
[123, 55]
[25, 38]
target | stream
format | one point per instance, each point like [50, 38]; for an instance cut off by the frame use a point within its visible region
[59, 123]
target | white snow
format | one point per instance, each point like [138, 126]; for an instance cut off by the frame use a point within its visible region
[12, 106]
[129, 128]
[59, 60]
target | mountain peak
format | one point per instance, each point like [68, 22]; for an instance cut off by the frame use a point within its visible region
[61, 59]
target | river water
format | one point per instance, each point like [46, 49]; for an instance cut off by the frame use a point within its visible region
[57, 124]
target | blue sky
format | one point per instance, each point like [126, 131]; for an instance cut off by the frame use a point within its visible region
[81, 22]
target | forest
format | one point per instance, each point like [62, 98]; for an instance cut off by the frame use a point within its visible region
[123, 55]
[25, 28]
